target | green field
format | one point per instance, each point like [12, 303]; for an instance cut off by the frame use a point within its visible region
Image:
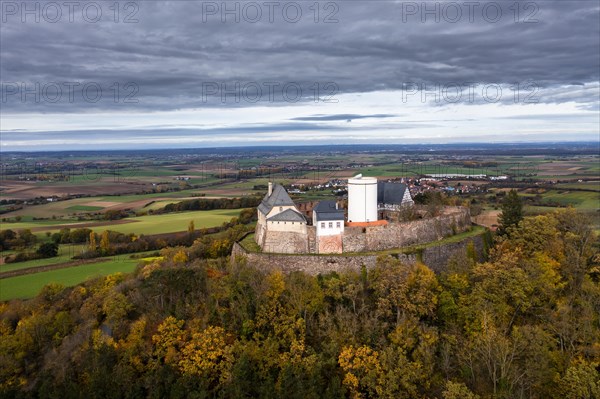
[582, 200]
[84, 208]
[589, 185]
[171, 222]
[65, 254]
[579, 199]
[150, 224]
[29, 285]
[27, 222]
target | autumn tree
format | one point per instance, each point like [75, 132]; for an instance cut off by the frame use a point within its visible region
[180, 257]
[581, 381]
[105, 243]
[208, 355]
[93, 244]
[169, 340]
[405, 291]
[362, 371]
[458, 390]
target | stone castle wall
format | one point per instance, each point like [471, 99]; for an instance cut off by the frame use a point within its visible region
[435, 257]
[454, 220]
[285, 242]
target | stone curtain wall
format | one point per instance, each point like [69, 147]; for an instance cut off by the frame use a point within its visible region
[454, 220]
[285, 242]
[435, 257]
[311, 264]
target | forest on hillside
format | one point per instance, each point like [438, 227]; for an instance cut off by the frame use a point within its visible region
[523, 324]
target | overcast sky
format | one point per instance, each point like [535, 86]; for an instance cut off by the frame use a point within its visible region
[168, 74]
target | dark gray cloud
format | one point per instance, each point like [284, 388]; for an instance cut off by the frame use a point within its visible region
[180, 55]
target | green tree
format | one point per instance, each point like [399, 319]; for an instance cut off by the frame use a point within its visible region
[581, 381]
[512, 212]
[191, 227]
[48, 250]
[28, 237]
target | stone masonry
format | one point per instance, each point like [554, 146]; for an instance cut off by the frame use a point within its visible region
[435, 257]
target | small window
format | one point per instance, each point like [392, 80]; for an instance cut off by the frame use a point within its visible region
[322, 225]
[330, 225]
[338, 225]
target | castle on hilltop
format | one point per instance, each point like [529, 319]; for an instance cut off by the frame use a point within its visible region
[282, 228]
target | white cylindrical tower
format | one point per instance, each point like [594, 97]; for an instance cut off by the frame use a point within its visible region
[362, 199]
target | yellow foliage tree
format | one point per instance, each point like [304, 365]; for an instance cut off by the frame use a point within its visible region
[458, 390]
[133, 347]
[105, 242]
[405, 291]
[93, 241]
[362, 371]
[208, 355]
[169, 340]
[180, 257]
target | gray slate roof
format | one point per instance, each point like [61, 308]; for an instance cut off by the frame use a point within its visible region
[390, 193]
[289, 215]
[325, 210]
[279, 197]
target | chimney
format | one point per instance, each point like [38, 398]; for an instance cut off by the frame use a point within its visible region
[336, 206]
[270, 189]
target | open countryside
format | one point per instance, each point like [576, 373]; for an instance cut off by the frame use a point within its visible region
[140, 194]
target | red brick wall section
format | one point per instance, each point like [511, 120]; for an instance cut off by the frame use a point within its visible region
[330, 244]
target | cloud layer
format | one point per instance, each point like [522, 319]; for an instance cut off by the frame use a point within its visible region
[180, 56]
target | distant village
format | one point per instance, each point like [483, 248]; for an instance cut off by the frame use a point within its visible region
[433, 182]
